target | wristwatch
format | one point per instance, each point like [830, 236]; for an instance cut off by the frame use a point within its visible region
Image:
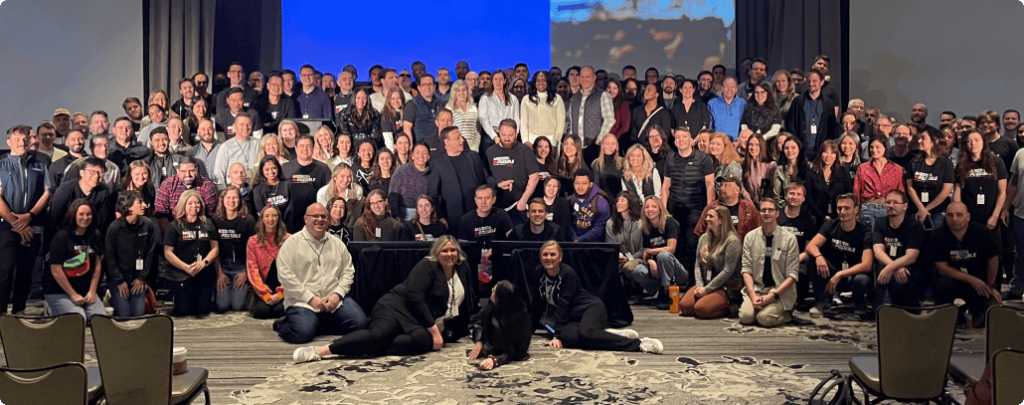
[775, 295]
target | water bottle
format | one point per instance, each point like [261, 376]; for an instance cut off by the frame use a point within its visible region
[673, 292]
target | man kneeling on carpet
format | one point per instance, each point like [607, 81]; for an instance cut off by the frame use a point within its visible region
[577, 318]
[771, 266]
[316, 271]
[431, 307]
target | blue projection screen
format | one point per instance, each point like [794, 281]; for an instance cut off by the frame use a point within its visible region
[675, 36]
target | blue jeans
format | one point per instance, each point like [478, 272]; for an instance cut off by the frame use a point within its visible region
[669, 270]
[61, 304]
[231, 299]
[301, 324]
[1017, 282]
[132, 305]
[869, 213]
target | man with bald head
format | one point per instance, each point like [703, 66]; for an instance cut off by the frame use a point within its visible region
[918, 115]
[238, 176]
[316, 271]
[242, 148]
[967, 262]
[591, 114]
[727, 109]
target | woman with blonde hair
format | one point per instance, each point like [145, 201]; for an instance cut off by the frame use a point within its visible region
[726, 159]
[608, 166]
[342, 185]
[288, 132]
[719, 253]
[659, 267]
[785, 90]
[261, 251]
[190, 247]
[464, 113]
[639, 175]
[323, 146]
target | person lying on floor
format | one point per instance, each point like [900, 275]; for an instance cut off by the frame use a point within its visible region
[430, 308]
[502, 331]
[577, 318]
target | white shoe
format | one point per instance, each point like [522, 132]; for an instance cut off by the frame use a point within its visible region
[651, 345]
[627, 333]
[305, 354]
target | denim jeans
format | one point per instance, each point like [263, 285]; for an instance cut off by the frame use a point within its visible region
[132, 305]
[301, 324]
[669, 270]
[859, 284]
[61, 304]
[232, 299]
[869, 213]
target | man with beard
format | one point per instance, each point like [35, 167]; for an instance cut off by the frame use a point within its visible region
[514, 169]
[897, 245]
[461, 68]
[457, 171]
[62, 121]
[162, 163]
[133, 108]
[256, 82]
[758, 71]
[307, 177]
[76, 150]
[100, 149]
[205, 152]
[186, 178]
[918, 115]
[668, 91]
[200, 83]
[1011, 119]
[183, 106]
[812, 115]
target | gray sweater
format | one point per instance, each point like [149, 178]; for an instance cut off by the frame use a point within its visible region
[629, 238]
[718, 271]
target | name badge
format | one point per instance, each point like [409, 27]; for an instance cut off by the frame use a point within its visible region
[378, 232]
[963, 269]
[814, 129]
[892, 251]
[138, 264]
[273, 114]
[231, 130]
[246, 104]
[305, 116]
[981, 199]
[924, 197]
[777, 254]
[846, 266]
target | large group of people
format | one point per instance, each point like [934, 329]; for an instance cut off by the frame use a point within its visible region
[754, 199]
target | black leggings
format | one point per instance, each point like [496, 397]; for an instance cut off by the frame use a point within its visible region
[385, 331]
[589, 333]
[262, 310]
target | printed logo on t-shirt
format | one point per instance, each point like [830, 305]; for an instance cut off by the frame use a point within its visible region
[551, 216]
[735, 220]
[922, 176]
[231, 130]
[796, 232]
[273, 114]
[338, 108]
[979, 172]
[302, 179]
[194, 235]
[843, 246]
[484, 231]
[657, 241]
[277, 200]
[419, 237]
[503, 161]
[961, 255]
[79, 264]
[229, 234]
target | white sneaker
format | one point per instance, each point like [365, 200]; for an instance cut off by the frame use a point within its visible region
[305, 354]
[651, 345]
[628, 333]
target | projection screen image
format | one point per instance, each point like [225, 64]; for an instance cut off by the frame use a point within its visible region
[674, 36]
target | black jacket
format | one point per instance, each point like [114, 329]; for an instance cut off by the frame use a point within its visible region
[126, 243]
[507, 337]
[424, 297]
[568, 299]
[796, 123]
[454, 193]
[822, 195]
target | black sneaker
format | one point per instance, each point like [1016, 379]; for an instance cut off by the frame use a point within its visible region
[664, 302]
[277, 323]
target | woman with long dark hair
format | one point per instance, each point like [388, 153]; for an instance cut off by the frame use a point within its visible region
[199, 112]
[403, 149]
[547, 159]
[758, 169]
[502, 331]
[792, 167]
[76, 264]
[384, 166]
[495, 105]
[651, 113]
[559, 210]
[261, 252]
[849, 152]
[376, 223]
[827, 180]
[570, 160]
[271, 187]
[361, 121]
[430, 308]
[624, 229]
[689, 111]
[875, 179]
[656, 141]
[761, 116]
[622, 111]
[364, 165]
[190, 247]
[980, 181]
[234, 226]
[337, 214]
[542, 112]
[930, 179]
[391, 117]
[425, 227]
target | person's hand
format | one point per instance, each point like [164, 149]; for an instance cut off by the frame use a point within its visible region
[921, 215]
[1005, 216]
[506, 185]
[994, 294]
[240, 280]
[487, 364]
[980, 287]
[992, 222]
[438, 341]
[316, 303]
[822, 266]
[77, 299]
[833, 283]
[331, 303]
[767, 299]
[653, 266]
[477, 348]
[699, 292]
[884, 276]
[123, 289]
[194, 268]
[21, 221]
[222, 282]
[902, 275]
[90, 297]
[521, 205]
[26, 235]
[138, 286]
[555, 343]
[274, 299]
[622, 260]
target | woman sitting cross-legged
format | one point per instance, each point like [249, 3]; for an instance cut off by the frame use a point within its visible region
[430, 308]
[577, 318]
[719, 253]
[502, 331]
[261, 252]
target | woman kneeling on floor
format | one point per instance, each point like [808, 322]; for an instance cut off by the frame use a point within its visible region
[430, 308]
[577, 318]
[502, 331]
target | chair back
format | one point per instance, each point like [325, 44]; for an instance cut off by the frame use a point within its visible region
[31, 342]
[914, 349]
[1005, 327]
[56, 384]
[135, 358]
[1007, 369]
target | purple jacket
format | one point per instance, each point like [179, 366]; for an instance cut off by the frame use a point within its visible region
[589, 216]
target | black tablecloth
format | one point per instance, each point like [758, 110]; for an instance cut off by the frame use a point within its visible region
[382, 265]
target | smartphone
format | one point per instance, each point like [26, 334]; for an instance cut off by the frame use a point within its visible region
[928, 224]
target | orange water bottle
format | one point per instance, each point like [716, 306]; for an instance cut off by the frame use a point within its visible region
[673, 292]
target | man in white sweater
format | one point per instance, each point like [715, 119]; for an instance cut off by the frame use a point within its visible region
[316, 271]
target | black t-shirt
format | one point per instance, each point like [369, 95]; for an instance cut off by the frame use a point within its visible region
[190, 243]
[495, 225]
[362, 176]
[560, 212]
[979, 191]
[802, 226]
[272, 114]
[910, 235]
[77, 255]
[766, 276]
[970, 254]
[734, 212]
[928, 180]
[232, 236]
[551, 232]
[904, 161]
[305, 181]
[687, 174]
[1004, 148]
[429, 233]
[341, 231]
[277, 195]
[842, 246]
[656, 239]
[517, 164]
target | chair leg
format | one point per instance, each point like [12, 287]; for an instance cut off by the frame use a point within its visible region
[206, 392]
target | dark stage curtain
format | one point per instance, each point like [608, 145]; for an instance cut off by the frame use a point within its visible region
[179, 41]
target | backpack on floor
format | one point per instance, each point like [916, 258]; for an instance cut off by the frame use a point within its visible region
[834, 390]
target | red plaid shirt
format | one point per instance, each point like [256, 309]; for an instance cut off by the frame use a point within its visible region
[170, 191]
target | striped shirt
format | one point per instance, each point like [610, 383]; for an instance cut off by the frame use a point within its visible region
[170, 191]
[466, 121]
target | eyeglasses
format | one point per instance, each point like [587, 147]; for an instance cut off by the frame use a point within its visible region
[767, 210]
[404, 75]
[321, 216]
[894, 203]
[377, 203]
